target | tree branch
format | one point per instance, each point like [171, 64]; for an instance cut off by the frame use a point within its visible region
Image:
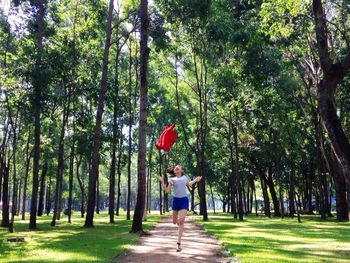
[321, 36]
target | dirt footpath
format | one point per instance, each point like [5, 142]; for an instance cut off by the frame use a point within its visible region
[160, 246]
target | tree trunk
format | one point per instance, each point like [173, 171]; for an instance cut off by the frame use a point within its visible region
[111, 202]
[340, 191]
[291, 192]
[96, 139]
[18, 197]
[237, 173]
[247, 202]
[70, 181]
[149, 181]
[165, 176]
[271, 185]
[232, 178]
[256, 201]
[26, 175]
[5, 222]
[333, 74]
[321, 182]
[264, 181]
[37, 84]
[119, 167]
[129, 136]
[81, 186]
[229, 199]
[112, 182]
[280, 211]
[48, 199]
[192, 189]
[42, 189]
[266, 198]
[201, 186]
[98, 194]
[310, 175]
[14, 176]
[60, 165]
[212, 197]
[160, 185]
[141, 156]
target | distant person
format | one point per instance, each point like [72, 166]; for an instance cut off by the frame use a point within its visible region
[180, 199]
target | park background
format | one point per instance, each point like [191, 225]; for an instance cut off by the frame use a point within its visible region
[259, 93]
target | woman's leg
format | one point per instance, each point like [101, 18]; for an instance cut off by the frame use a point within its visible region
[175, 216]
[181, 222]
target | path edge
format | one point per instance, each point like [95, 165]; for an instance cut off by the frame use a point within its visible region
[224, 253]
[126, 251]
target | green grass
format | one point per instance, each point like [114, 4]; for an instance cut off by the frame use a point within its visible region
[260, 239]
[70, 242]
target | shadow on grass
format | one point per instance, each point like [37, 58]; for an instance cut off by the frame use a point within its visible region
[70, 242]
[278, 240]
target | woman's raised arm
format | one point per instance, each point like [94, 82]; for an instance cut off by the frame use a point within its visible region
[195, 180]
[166, 189]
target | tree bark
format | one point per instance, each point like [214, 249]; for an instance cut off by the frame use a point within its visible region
[340, 191]
[18, 197]
[81, 186]
[262, 174]
[5, 222]
[48, 199]
[232, 178]
[238, 177]
[160, 185]
[267, 210]
[141, 156]
[98, 194]
[129, 138]
[96, 139]
[201, 186]
[111, 202]
[333, 74]
[37, 90]
[165, 176]
[70, 181]
[149, 181]
[271, 185]
[291, 192]
[212, 197]
[119, 171]
[14, 168]
[60, 166]
[42, 189]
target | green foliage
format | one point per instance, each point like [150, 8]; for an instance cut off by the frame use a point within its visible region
[278, 17]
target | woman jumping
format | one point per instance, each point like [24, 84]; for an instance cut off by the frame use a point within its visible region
[180, 199]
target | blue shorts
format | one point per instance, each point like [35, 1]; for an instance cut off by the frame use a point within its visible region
[180, 203]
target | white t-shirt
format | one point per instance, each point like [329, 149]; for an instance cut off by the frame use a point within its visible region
[179, 184]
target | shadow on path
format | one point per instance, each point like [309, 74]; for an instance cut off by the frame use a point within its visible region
[160, 246]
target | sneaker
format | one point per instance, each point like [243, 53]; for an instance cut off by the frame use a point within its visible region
[178, 249]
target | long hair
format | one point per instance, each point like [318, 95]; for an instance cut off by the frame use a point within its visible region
[170, 170]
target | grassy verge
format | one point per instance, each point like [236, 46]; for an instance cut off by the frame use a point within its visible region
[260, 239]
[70, 242]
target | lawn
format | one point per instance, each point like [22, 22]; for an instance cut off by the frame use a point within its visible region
[70, 242]
[260, 239]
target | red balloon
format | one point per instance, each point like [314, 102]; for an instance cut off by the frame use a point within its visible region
[167, 138]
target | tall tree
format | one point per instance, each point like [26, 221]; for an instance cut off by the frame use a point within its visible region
[93, 175]
[141, 156]
[333, 74]
[37, 83]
